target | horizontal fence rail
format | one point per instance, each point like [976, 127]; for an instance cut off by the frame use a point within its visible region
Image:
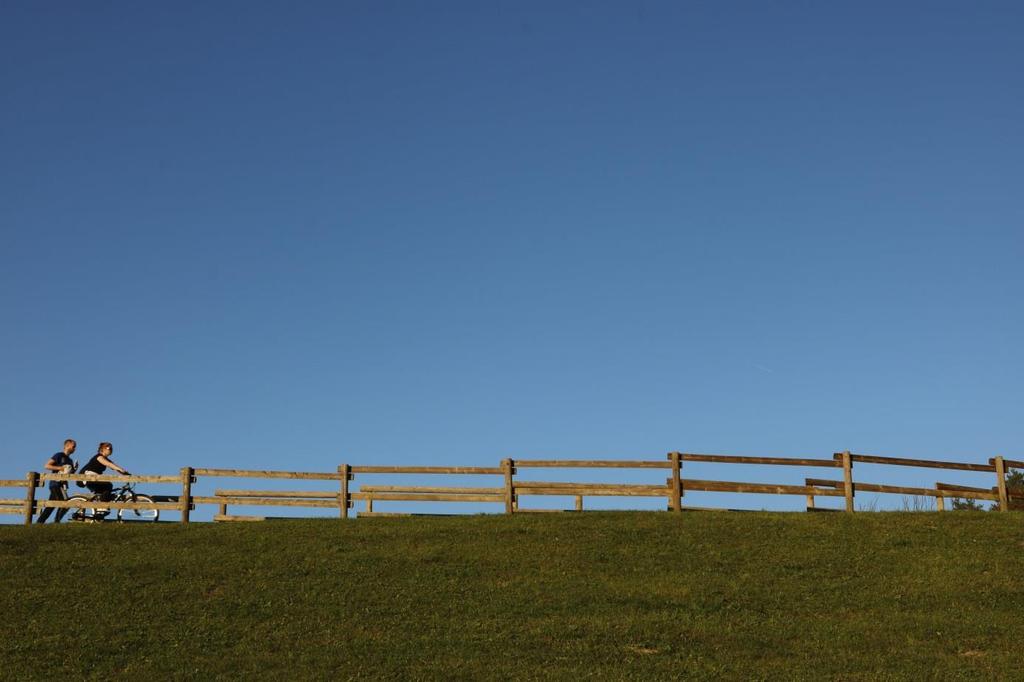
[591, 464]
[15, 507]
[426, 470]
[91, 504]
[760, 488]
[86, 478]
[929, 463]
[965, 488]
[263, 501]
[735, 459]
[427, 489]
[511, 489]
[274, 493]
[248, 473]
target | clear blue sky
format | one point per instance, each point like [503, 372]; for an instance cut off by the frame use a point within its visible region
[251, 235]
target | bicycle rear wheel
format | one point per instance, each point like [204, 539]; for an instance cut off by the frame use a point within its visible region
[81, 513]
[139, 514]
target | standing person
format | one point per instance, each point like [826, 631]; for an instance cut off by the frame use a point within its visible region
[62, 464]
[97, 465]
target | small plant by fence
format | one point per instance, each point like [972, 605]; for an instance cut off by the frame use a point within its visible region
[511, 489]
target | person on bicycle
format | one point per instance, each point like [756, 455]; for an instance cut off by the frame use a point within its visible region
[60, 463]
[96, 466]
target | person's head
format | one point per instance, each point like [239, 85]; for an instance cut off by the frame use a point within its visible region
[105, 449]
[69, 446]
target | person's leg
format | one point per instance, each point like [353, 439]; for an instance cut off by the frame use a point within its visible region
[101, 491]
[106, 493]
[45, 513]
[61, 494]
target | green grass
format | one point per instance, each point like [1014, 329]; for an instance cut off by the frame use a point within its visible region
[605, 595]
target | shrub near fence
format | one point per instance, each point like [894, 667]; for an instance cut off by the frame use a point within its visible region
[510, 490]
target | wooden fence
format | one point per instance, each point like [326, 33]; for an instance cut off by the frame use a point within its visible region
[508, 489]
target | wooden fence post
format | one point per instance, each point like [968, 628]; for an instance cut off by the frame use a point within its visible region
[810, 501]
[579, 503]
[510, 492]
[343, 498]
[848, 479]
[32, 478]
[940, 502]
[187, 473]
[1004, 498]
[676, 499]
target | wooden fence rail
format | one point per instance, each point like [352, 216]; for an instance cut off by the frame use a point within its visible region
[14, 507]
[930, 463]
[512, 488]
[426, 470]
[249, 473]
[275, 493]
[112, 478]
[83, 504]
[735, 459]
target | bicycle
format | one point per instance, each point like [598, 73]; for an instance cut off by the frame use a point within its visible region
[126, 493]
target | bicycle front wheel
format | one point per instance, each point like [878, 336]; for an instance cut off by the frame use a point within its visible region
[139, 514]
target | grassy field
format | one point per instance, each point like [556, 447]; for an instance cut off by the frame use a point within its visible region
[605, 595]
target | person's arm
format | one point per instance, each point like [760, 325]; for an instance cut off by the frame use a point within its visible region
[107, 462]
[51, 466]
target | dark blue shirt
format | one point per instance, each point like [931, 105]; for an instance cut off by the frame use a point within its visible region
[60, 459]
